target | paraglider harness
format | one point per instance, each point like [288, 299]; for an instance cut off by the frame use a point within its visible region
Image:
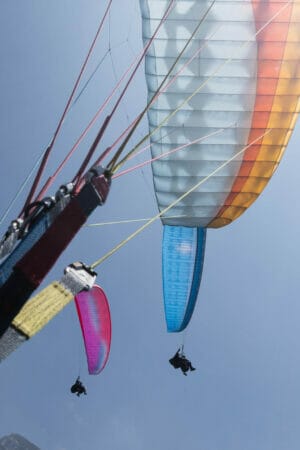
[33, 266]
[179, 361]
[78, 388]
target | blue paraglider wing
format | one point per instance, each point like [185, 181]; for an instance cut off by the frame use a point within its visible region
[183, 255]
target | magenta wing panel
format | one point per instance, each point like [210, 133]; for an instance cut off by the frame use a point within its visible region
[94, 315]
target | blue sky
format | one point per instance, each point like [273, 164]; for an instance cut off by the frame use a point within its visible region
[244, 336]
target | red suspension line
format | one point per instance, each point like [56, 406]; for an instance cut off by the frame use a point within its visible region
[168, 10]
[132, 153]
[84, 133]
[139, 58]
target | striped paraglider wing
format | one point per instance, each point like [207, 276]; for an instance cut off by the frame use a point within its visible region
[231, 103]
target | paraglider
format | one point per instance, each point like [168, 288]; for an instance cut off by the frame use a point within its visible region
[78, 388]
[179, 361]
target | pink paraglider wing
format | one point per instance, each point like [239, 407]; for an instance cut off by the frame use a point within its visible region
[94, 315]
